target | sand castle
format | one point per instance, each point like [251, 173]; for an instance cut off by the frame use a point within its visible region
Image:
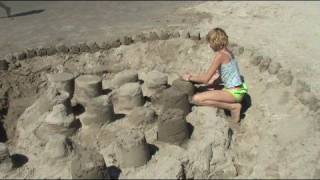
[135, 120]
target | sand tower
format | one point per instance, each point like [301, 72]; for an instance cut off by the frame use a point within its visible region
[172, 127]
[131, 148]
[154, 83]
[99, 111]
[87, 87]
[127, 97]
[124, 77]
[172, 98]
[184, 87]
[58, 146]
[89, 165]
[62, 81]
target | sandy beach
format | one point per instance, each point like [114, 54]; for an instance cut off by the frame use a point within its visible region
[126, 114]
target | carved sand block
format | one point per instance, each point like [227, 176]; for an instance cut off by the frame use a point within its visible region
[274, 67]
[164, 35]
[5, 159]
[115, 43]
[309, 99]
[184, 86]
[124, 77]
[256, 59]
[62, 48]
[99, 111]
[172, 127]
[172, 98]
[152, 36]
[84, 47]
[4, 65]
[58, 146]
[236, 49]
[141, 37]
[89, 165]
[74, 49]
[127, 97]
[264, 64]
[20, 55]
[125, 40]
[93, 46]
[285, 76]
[41, 51]
[87, 87]
[175, 34]
[30, 53]
[105, 45]
[142, 117]
[185, 34]
[300, 87]
[195, 36]
[51, 50]
[10, 58]
[62, 81]
[154, 83]
[132, 149]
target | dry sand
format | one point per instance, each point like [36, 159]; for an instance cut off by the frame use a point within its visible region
[278, 137]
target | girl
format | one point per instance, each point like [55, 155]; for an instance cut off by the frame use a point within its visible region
[225, 65]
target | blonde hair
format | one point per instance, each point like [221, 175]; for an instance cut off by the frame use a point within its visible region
[217, 38]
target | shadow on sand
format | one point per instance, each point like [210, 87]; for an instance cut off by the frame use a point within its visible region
[24, 13]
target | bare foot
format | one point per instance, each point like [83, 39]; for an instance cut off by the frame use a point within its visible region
[235, 112]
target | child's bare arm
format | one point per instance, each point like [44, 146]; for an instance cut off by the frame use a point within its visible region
[214, 77]
[204, 78]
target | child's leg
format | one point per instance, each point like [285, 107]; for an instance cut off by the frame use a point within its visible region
[220, 99]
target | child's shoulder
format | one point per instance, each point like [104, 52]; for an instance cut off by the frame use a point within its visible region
[224, 56]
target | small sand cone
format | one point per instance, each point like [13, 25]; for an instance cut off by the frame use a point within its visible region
[87, 87]
[132, 149]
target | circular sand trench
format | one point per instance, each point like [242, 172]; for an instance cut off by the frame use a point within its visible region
[274, 121]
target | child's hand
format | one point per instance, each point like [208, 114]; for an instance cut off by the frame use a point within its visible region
[186, 77]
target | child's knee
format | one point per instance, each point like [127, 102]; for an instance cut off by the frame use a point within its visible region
[196, 98]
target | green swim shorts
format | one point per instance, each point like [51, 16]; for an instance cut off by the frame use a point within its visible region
[238, 93]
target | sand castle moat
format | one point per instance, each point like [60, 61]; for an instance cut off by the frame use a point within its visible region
[120, 110]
